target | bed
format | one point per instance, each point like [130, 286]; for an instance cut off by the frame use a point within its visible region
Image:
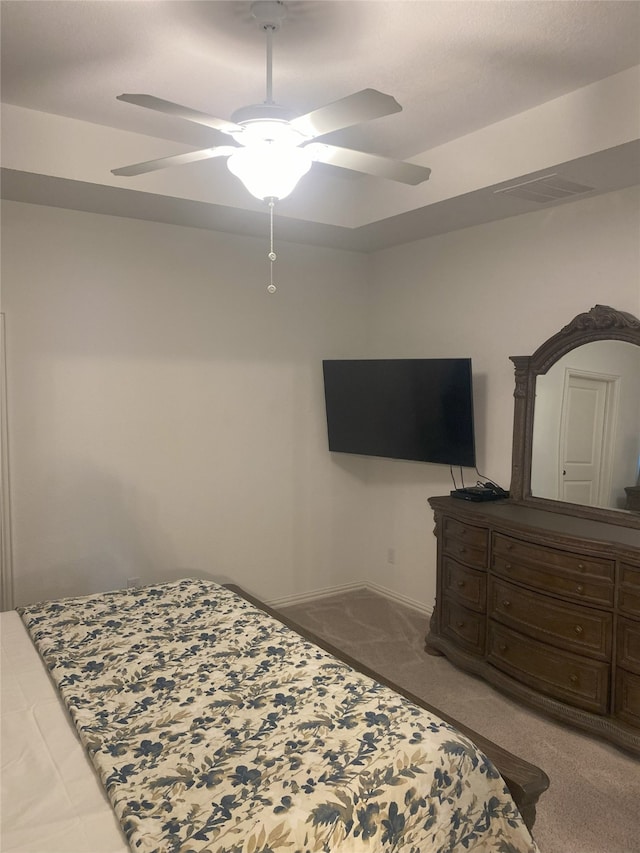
[187, 716]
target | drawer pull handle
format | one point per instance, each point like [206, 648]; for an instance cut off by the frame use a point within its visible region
[462, 549]
[503, 647]
[573, 678]
[460, 624]
[506, 603]
[580, 588]
[579, 629]
[507, 566]
[509, 546]
[461, 583]
[581, 566]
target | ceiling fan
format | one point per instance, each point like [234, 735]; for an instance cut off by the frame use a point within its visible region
[270, 148]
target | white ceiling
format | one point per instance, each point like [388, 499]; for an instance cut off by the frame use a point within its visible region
[456, 67]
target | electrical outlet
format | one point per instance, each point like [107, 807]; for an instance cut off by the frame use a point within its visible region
[133, 583]
[391, 556]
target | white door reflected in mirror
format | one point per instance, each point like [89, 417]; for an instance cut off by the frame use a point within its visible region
[587, 434]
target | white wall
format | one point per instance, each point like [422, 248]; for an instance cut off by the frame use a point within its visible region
[167, 414]
[486, 292]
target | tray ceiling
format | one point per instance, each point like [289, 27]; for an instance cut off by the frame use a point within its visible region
[478, 82]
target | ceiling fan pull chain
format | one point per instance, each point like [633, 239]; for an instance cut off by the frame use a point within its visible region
[271, 288]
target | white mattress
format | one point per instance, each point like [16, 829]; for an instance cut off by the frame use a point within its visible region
[51, 801]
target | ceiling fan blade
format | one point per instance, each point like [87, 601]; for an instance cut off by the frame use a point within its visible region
[175, 160]
[353, 109]
[150, 102]
[369, 164]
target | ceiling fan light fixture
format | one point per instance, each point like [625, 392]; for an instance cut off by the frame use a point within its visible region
[274, 147]
[269, 170]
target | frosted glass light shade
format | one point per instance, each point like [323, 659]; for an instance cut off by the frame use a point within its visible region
[270, 170]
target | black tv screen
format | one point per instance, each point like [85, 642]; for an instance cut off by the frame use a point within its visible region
[405, 408]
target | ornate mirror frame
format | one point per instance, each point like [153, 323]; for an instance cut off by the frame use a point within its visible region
[601, 323]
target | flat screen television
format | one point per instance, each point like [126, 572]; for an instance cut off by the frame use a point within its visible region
[405, 408]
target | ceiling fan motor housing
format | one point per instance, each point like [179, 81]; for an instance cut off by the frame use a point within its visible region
[260, 112]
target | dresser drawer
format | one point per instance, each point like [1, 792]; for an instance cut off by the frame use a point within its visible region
[569, 626]
[559, 562]
[629, 590]
[628, 647]
[554, 571]
[628, 697]
[465, 543]
[563, 675]
[464, 626]
[469, 586]
[575, 589]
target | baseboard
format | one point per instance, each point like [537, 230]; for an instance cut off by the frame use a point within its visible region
[306, 597]
[315, 595]
[401, 599]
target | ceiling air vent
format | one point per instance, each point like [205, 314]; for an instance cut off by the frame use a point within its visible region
[544, 190]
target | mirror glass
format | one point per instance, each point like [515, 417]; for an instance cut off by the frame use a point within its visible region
[586, 432]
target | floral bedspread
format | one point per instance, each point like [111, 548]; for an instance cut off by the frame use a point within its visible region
[215, 728]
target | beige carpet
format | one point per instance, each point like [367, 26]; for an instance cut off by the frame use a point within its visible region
[593, 803]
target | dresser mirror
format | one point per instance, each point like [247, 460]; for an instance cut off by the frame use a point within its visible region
[576, 441]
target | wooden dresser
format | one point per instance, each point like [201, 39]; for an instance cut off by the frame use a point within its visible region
[545, 607]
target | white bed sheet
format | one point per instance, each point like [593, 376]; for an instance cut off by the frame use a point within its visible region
[51, 800]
